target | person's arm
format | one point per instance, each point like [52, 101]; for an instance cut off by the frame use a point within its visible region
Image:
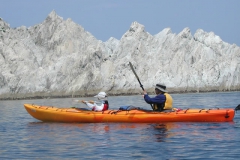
[93, 105]
[90, 105]
[158, 99]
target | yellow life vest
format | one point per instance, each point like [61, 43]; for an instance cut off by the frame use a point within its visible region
[166, 106]
[168, 102]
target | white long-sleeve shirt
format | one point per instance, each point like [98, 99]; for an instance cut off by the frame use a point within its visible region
[102, 107]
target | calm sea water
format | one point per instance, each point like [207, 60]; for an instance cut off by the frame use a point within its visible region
[23, 137]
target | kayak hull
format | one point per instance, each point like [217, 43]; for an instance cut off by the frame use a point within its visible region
[74, 115]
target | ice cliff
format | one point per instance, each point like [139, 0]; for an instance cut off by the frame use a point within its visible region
[59, 58]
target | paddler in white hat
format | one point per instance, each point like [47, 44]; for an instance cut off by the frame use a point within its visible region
[102, 100]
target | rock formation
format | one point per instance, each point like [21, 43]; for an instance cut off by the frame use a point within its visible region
[58, 58]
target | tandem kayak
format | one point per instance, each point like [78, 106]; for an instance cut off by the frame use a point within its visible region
[75, 115]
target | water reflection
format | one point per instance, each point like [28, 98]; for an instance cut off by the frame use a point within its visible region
[107, 131]
[162, 131]
[26, 138]
[102, 133]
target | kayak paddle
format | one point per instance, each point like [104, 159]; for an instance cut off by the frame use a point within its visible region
[136, 75]
[137, 78]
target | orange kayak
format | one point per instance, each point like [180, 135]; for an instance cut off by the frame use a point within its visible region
[75, 115]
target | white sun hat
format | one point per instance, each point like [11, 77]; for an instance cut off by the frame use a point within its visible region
[101, 95]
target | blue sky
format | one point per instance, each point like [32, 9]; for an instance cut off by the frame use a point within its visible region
[112, 18]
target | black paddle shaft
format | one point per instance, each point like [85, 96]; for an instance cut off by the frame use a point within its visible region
[136, 75]
[137, 78]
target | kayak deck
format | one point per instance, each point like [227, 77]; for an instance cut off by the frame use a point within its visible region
[75, 115]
